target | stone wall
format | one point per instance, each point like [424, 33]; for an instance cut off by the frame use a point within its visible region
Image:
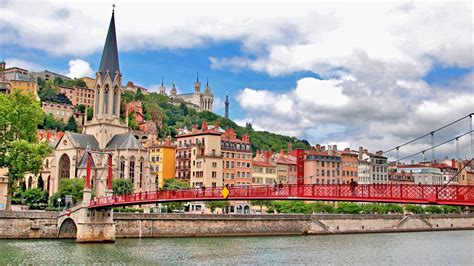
[33, 224]
[152, 225]
[28, 224]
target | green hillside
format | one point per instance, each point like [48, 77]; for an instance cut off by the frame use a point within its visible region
[156, 107]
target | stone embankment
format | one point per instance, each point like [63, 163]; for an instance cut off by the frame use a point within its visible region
[45, 224]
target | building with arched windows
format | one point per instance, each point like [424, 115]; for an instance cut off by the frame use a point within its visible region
[105, 133]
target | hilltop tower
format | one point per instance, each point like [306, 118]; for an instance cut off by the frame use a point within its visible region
[227, 106]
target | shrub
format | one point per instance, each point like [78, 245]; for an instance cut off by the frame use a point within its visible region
[451, 209]
[133, 210]
[319, 207]
[393, 208]
[433, 209]
[414, 209]
[350, 208]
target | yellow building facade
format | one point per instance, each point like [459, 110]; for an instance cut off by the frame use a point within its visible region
[162, 158]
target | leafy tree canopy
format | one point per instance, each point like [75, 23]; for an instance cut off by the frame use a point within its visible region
[122, 186]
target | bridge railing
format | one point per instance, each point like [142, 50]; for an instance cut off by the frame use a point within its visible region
[455, 195]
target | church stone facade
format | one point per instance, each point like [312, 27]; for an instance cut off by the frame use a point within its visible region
[102, 135]
[197, 100]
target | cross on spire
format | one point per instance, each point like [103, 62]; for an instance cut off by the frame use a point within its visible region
[113, 8]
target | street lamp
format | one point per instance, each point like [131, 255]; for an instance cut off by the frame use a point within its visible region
[59, 203]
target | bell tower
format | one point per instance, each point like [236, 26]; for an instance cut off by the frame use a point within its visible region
[106, 119]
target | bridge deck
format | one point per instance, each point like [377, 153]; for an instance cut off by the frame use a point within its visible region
[417, 194]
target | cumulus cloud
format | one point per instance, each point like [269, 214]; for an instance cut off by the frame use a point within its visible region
[320, 112]
[79, 68]
[16, 62]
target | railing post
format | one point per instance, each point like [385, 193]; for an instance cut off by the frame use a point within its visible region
[391, 186]
[289, 191]
[313, 189]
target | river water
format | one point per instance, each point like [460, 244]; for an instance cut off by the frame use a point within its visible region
[427, 248]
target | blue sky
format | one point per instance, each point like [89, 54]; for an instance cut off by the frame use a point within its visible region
[358, 74]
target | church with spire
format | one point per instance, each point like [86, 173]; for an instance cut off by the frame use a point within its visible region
[197, 100]
[104, 134]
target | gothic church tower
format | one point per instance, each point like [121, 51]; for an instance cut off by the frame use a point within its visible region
[106, 120]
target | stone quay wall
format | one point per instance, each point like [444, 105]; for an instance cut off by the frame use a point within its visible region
[28, 224]
[32, 224]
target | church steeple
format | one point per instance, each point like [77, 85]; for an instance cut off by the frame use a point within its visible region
[108, 79]
[110, 61]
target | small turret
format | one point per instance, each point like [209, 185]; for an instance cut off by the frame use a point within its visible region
[162, 87]
[173, 90]
[197, 85]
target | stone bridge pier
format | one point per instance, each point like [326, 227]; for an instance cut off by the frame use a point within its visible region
[87, 225]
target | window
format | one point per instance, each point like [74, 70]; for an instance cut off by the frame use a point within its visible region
[122, 167]
[131, 170]
[214, 164]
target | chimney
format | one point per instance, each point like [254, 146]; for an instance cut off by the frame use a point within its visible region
[323, 148]
[365, 151]
[318, 147]
[361, 151]
[412, 162]
[290, 147]
[216, 126]
[245, 138]
[267, 155]
[282, 152]
[168, 141]
[204, 126]
[453, 163]
[334, 148]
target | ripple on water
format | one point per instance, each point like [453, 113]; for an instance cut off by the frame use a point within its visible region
[435, 248]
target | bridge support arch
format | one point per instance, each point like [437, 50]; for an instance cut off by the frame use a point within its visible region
[91, 225]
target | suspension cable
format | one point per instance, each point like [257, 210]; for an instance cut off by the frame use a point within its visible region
[430, 133]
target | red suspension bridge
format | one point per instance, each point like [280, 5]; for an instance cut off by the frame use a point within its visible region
[388, 193]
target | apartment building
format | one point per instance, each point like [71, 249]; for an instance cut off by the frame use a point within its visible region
[237, 158]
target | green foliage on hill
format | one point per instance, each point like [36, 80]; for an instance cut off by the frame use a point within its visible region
[48, 91]
[157, 108]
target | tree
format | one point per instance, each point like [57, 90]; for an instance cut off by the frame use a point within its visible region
[23, 157]
[20, 115]
[81, 108]
[73, 187]
[261, 203]
[122, 186]
[90, 113]
[71, 124]
[35, 196]
[139, 95]
[132, 121]
[173, 183]
[213, 205]
[52, 123]
[184, 109]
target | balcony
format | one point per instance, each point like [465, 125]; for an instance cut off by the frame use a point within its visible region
[209, 155]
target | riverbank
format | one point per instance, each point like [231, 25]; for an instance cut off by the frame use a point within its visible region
[42, 225]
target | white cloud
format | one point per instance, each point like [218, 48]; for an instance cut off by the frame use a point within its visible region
[16, 62]
[217, 104]
[79, 68]
[378, 120]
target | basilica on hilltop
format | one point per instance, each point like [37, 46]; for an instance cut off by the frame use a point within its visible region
[105, 133]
